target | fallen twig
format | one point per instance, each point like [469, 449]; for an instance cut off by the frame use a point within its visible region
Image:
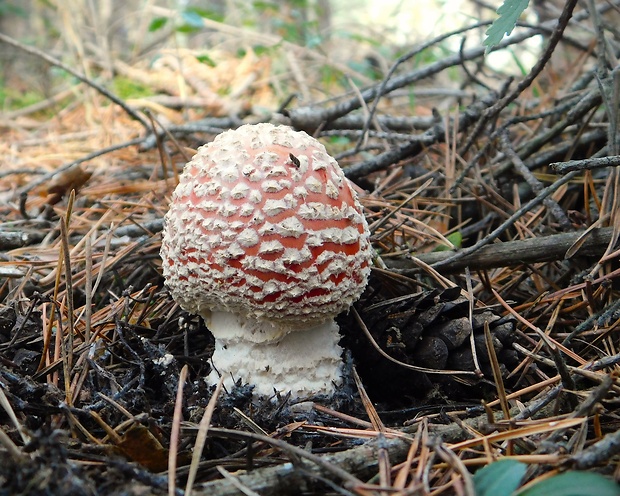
[509, 253]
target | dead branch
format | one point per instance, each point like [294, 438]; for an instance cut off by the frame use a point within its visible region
[510, 253]
[362, 462]
[598, 453]
[310, 118]
[417, 143]
[586, 164]
[96, 86]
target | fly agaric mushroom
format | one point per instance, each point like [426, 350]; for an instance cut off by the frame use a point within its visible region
[266, 240]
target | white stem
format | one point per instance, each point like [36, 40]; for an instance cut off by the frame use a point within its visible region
[305, 362]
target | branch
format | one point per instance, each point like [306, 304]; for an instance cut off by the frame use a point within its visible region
[54, 61]
[362, 462]
[311, 118]
[417, 144]
[510, 253]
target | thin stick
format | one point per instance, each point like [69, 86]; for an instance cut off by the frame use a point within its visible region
[497, 375]
[383, 457]
[234, 481]
[510, 221]
[174, 433]
[492, 112]
[88, 289]
[6, 405]
[68, 347]
[46, 177]
[11, 447]
[201, 438]
[586, 164]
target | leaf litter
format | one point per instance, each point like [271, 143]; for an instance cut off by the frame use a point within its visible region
[454, 360]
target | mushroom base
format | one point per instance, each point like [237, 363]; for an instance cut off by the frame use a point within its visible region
[305, 362]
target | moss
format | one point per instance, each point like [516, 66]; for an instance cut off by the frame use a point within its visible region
[15, 99]
[126, 88]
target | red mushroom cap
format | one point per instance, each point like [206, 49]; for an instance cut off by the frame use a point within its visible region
[264, 224]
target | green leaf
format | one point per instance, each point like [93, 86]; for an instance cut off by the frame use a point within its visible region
[456, 238]
[157, 23]
[313, 41]
[191, 18]
[509, 13]
[126, 88]
[205, 59]
[206, 13]
[265, 6]
[262, 49]
[7, 9]
[339, 140]
[187, 28]
[574, 484]
[500, 478]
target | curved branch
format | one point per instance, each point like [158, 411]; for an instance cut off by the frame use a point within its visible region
[55, 62]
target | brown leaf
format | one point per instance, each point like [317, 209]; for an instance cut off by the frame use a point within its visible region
[73, 178]
[139, 444]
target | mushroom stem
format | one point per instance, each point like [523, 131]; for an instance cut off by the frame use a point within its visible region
[305, 362]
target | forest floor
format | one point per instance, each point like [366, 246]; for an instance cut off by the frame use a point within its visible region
[494, 208]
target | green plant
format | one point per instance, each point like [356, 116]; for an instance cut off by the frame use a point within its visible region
[13, 99]
[456, 238]
[503, 478]
[126, 88]
[509, 13]
[11, 8]
[573, 484]
[191, 20]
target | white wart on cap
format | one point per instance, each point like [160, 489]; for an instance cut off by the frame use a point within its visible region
[265, 236]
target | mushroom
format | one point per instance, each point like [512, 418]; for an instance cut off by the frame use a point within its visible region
[266, 240]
